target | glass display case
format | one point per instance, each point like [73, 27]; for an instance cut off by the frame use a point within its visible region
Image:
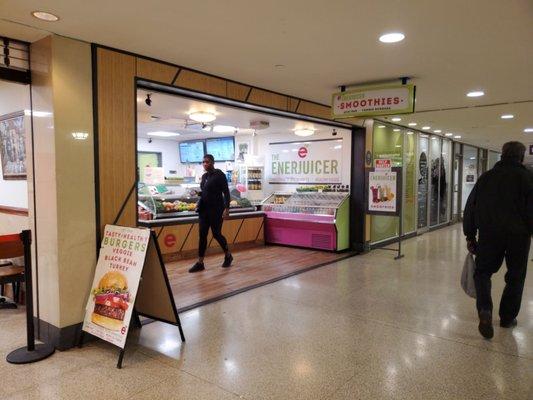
[179, 201]
[305, 202]
[318, 220]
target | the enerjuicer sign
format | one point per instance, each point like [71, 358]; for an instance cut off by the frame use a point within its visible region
[309, 162]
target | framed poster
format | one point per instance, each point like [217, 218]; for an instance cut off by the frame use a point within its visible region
[13, 146]
[384, 191]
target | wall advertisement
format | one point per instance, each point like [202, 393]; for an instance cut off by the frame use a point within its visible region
[373, 101]
[305, 162]
[116, 282]
[384, 191]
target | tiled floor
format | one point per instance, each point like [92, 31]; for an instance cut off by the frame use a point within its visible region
[364, 328]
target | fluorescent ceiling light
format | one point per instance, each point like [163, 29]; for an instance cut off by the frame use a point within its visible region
[224, 129]
[396, 119]
[202, 116]
[528, 130]
[472, 158]
[448, 134]
[437, 131]
[396, 130]
[476, 93]
[426, 128]
[457, 137]
[304, 132]
[392, 37]
[507, 116]
[163, 134]
[412, 124]
[45, 16]
[39, 114]
[80, 135]
[381, 126]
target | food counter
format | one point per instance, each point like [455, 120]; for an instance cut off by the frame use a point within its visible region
[314, 220]
[170, 211]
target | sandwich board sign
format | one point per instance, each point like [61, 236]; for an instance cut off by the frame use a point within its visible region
[383, 189]
[130, 277]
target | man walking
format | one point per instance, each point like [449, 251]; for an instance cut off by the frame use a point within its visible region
[500, 210]
[212, 208]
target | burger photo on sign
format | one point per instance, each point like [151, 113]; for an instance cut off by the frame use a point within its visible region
[111, 300]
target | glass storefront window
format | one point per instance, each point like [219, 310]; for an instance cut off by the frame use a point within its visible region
[444, 184]
[422, 190]
[387, 143]
[470, 173]
[494, 157]
[434, 177]
[409, 182]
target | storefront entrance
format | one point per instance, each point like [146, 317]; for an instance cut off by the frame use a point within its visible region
[289, 180]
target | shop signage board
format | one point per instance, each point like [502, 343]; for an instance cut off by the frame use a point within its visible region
[116, 280]
[305, 162]
[383, 165]
[384, 190]
[373, 101]
[154, 175]
[130, 277]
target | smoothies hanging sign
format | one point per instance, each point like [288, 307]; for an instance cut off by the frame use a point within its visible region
[309, 162]
[372, 101]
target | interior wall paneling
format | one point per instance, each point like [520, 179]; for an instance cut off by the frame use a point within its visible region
[155, 71]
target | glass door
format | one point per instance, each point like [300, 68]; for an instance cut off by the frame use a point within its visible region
[470, 173]
[422, 185]
[457, 164]
[409, 183]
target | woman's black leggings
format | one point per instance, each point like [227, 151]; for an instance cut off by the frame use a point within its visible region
[211, 219]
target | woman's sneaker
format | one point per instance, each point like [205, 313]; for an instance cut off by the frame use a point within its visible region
[197, 267]
[228, 259]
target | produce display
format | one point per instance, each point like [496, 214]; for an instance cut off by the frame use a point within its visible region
[323, 188]
[174, 206]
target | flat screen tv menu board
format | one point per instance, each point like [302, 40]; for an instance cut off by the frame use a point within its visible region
[192, 151]
[223, 149]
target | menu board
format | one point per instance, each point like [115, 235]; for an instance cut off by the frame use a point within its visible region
[222, 149]
[192, 152]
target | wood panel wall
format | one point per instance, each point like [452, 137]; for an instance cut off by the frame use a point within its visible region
[115, 77]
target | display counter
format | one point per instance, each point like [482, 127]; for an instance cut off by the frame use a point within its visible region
[313, 220]
[173, 217]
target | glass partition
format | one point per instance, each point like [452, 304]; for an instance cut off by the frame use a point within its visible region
[494, 157]
[409, 183]
[444, 184]
[470, 173]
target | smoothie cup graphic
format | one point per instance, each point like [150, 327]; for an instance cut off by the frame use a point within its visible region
[374, 194]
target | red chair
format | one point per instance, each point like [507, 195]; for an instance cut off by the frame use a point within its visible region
[11, 246]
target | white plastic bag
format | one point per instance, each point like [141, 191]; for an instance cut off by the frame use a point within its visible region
[467, 277]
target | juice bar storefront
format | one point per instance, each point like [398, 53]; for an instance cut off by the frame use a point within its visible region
[289, 179]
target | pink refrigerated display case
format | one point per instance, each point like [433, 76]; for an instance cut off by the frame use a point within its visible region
[312, 220]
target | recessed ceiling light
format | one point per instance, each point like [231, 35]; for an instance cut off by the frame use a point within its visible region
[437, 131]
[381, 126]
[304, 132]
[409, 132]
[448, 134]
[392, 37]
[412, 124]
[472, 158]
[433, 138]
[507, 116]
[163, 134]
[426, 128]
[476, 93]
[457, 137]
[202, 116]
[224, 129]
[396, 130]
[528, 130]
[396, 119]
[45, 16]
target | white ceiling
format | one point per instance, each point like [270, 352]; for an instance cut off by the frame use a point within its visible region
[172, 112]
[451, 47]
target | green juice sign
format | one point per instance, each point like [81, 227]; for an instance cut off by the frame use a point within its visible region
[309, 162]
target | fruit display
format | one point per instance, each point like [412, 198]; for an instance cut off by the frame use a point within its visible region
[174, 206]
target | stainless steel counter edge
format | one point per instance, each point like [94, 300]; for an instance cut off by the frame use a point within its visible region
[188, 220]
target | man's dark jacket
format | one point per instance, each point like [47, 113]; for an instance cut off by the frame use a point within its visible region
[501, 202]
